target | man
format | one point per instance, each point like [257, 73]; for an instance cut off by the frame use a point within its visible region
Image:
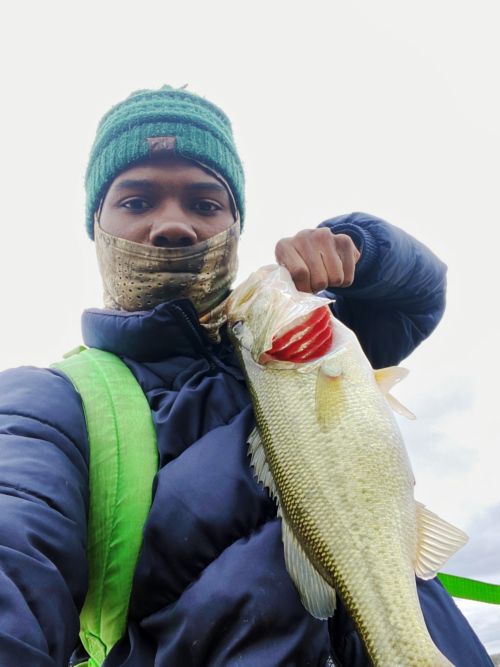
[165, 204]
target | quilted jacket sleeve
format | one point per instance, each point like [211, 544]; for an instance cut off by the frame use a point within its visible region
[43, 507]
[398, 295]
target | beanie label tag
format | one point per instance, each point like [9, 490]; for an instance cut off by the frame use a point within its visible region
[161, 144]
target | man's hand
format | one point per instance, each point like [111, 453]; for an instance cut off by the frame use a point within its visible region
[318, 259]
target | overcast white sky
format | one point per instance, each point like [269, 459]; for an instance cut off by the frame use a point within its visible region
[388, 107]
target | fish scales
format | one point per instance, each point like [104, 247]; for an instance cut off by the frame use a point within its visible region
[309, 504]
[345, 487]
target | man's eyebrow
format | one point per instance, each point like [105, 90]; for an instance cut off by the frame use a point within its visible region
[131, 184]
[206, 186]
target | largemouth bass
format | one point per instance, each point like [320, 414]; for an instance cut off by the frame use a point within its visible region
[330, 451]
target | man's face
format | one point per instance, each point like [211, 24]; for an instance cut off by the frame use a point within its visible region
[169, 202]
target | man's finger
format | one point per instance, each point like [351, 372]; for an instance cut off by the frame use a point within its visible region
[309, 244]
[288, 256]
[333, 266]
[349, 255]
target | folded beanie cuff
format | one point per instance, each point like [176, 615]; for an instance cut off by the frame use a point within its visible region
[202, 133]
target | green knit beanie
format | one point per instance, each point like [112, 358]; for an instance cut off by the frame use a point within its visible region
[183, 123]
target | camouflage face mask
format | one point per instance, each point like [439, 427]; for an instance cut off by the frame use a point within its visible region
[139, 277]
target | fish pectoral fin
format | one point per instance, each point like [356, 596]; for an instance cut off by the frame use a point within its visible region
[327, 388]
[259, 462]
[332, 366]
[386, 378]
[317, 596]
[437, 541]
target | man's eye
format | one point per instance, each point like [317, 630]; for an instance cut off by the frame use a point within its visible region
[136, 204]
[206, 206]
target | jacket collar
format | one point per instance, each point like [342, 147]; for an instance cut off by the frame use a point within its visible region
[170, 329]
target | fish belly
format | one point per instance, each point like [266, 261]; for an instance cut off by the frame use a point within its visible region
[346, 490]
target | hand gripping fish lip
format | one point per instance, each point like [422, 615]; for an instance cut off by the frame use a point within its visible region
[293, 327]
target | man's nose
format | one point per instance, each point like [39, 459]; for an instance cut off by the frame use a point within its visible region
[172, 230]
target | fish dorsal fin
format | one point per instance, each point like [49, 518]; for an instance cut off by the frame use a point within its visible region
[437, 541]
[259, 462]
[317, 596]
[386, 378]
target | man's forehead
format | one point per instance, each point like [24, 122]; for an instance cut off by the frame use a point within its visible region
[149, 168]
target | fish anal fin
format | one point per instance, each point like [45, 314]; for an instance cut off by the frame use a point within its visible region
[437, 541]
[317, 596]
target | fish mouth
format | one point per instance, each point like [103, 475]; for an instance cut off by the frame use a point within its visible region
[275, 322]
[305, 339]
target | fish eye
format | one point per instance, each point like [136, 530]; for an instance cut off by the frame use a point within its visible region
[237, 327]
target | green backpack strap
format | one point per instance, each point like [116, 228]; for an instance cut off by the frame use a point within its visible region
[123, 463]
[470, 589]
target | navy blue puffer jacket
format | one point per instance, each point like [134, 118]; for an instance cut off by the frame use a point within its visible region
[210, 588]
